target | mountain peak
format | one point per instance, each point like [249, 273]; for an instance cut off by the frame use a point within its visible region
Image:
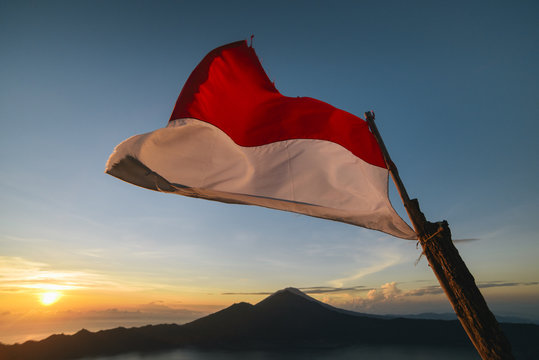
[294, 291]
[290, 297]
[289, 292]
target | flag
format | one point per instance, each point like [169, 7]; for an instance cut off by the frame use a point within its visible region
[232, 137]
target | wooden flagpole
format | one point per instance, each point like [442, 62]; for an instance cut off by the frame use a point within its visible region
[451, 271]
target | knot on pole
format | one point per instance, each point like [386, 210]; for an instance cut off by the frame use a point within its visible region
[423, 239]
[438, 230]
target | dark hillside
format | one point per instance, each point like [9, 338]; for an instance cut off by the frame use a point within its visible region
[286, 320]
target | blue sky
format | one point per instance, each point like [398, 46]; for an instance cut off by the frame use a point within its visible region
[454, 86]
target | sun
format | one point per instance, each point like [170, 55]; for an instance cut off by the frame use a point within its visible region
[49, 298]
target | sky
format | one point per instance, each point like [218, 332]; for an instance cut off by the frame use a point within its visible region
[455, 88]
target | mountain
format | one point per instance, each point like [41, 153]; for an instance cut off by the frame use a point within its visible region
[288, 319]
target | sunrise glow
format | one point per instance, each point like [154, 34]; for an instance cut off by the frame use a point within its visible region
[49, 298]
[454, 90]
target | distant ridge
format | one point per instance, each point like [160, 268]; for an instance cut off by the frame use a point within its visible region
[287, 319]
[453, 316]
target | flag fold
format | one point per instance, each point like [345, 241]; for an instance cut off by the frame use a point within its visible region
[232, 137]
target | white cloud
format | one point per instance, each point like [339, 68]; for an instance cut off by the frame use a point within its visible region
[18, 274]
[371, 259]
[389, 297]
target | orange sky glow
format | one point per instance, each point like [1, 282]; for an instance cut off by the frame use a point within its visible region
[455, 96]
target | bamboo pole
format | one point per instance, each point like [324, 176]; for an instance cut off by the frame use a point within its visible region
[451, 271]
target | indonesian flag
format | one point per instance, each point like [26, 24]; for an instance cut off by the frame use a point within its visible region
[232, 137]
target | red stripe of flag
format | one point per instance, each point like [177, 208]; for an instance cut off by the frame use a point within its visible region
[230, 90]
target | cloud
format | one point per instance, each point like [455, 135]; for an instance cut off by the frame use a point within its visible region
[426, 290]
[152, 313]
[22, 326]
[137, 315]
[386, 292]
[390, 294]
[19, 275]
[313, 290]
[248, 293]
[368, 260]
[384, 297]
[367, 270]
[490, 284]
[328, 290]
[436, 289]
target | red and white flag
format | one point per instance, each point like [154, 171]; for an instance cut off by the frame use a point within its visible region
[232, 137]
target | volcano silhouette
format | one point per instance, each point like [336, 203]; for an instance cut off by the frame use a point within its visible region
[288, 319]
